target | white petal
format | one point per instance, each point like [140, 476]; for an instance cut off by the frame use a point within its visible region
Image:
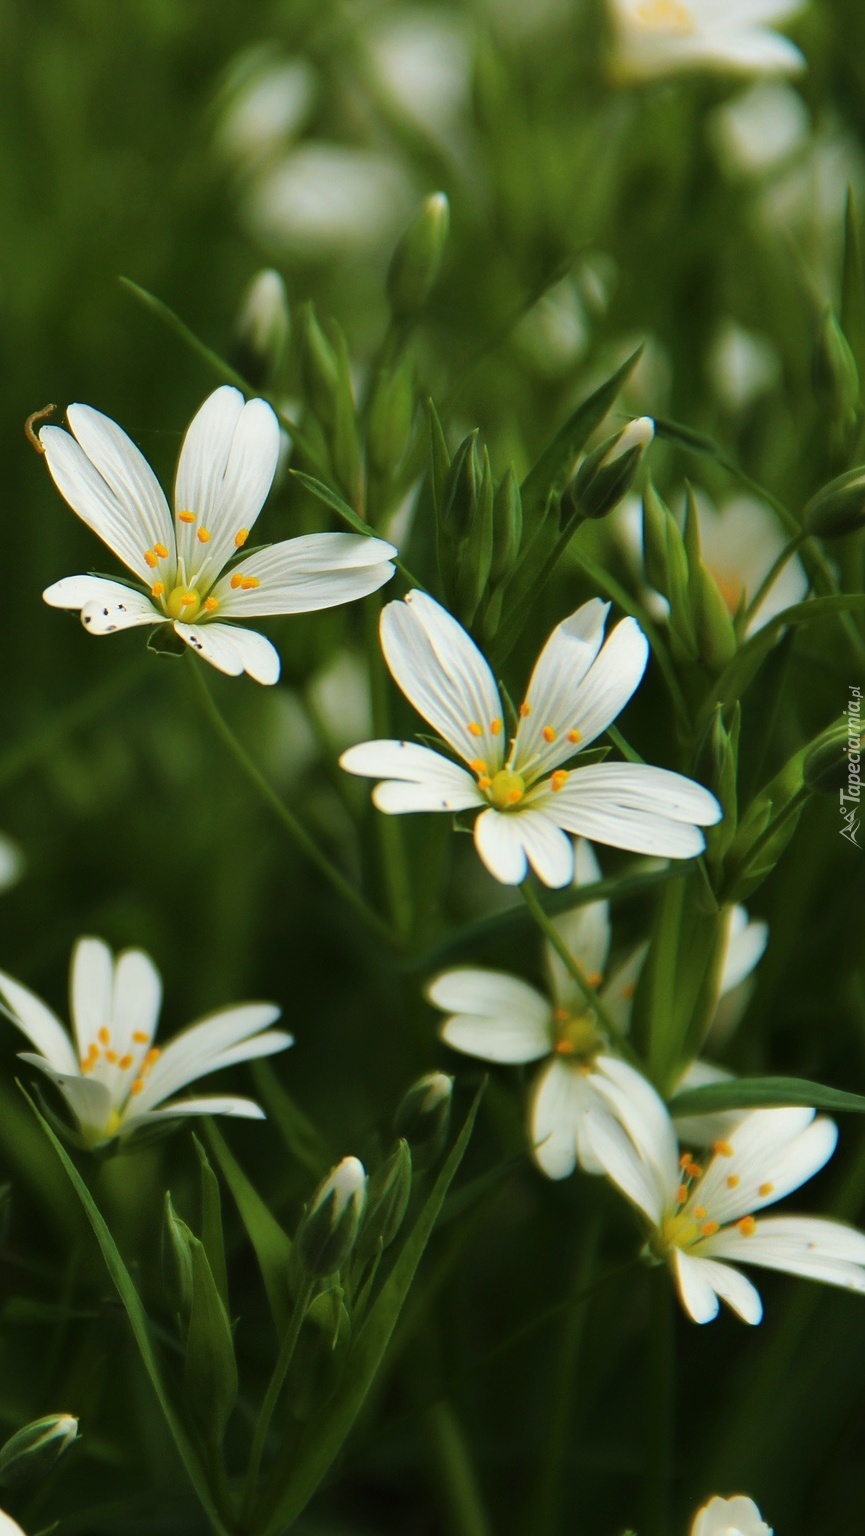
[233, 650]
[798, 1245]
[228, 1104]
[703, 1130]
[746, 943]
[721, 1516]
[319, 570]
[122, 527]
[695, 1287]
[769, 1161]
[551, 694]
[443, 674]
[643, 1113]
[204, 455]
[561, 1099]
[105, 606]
[415, 778]
[136, 1000]
[634, 806]
[495, 1016]
[733, 1287]
[89, 1101]
[585, 931]
[8, 1526]
[91, 982]
[618, 1157]
[268, 1044]
[11, 863]
[550, 852]
[42, 1027]
[500, 845]
[190, 1054]
[125, 471]
[617, 995]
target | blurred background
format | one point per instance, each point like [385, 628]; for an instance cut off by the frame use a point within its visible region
[187, 145]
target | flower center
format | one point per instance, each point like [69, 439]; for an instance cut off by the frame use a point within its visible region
[576, 1034]
[506, 789]
[665, 16]
[183, 603]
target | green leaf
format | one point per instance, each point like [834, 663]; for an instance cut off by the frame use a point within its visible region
[746, 663]
[140, 1324]
[294, 1485]
[211, 1222]
[763, 1092]
[272, 1245]
[336, 503]
[853, 285]
[210, 1368]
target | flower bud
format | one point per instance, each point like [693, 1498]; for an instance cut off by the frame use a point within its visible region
[423, 1117]
[607, 474]
[839, 507]
[31, 1453]
[388, 1193]
[507, 526]
[261, 330]
[462, 483]
[329, 1228]
[835, 375]
[417, 260]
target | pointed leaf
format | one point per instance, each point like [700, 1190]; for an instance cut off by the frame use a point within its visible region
[763, 1092]
[272, 1245]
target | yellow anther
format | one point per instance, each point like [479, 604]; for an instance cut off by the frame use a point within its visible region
[766, 1189]
[747, 1226]
[152, 1056]
[525, 709]
[628, 990]
[700, 1211]
[594, 978]
[150, 558]
[125, 1062]
[478, 765]
[685, 1159]
[248, 582]
[574, 737]
[709, 1228]
[694, 1171]
[235, 581]
[681, 1194]
[160, 550]
[111, 1057]
[104, 1036]
[186, 517]
[202, 536]
[733, 1181]
[475, 728]
[86, 1064]
[140, 1036]
[561, 1015]
[137, 1086]
[157, 589]
[241, 537]
[722, 1148]
[564, 1048]
[496, 726]
[210, 604]
[548, 733]
[669, 15]
[559, 779]
[188, 599]
[484, 781]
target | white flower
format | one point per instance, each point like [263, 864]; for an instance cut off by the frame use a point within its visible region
[527, 799]
[11, 863]
[702, 1217]
[113, 1078]
[662, 37]
[8, 1526]
[738, 1516]
[226, 468]
[500, 1018]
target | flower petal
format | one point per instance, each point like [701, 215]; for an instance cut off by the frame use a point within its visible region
[88, 1100]
[415, 778]
[549, 850]
[500, 844]
[91, 982]
[774, 1151]
[226, 469]
[561, 1099]
[746, 943]
[634, 806]
[695, 1287]
[643, 1113]
[124, 527]
[135, 1001]
[125, 471]
[443, 674]
[267, 1044]
[233, 650]
[319, 570]
[105, 606]
[618, 1157]
[558, 674]
[703, 1130]
[495, 1017]
[227, 1104]
[191, 1053]
[585, 931]
[42, 1027]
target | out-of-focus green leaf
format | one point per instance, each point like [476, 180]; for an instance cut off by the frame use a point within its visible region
[272, 1245]
[761, 1093]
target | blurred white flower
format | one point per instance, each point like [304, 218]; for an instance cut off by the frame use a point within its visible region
[760, 128]
[327, 197]
[738, 1516]
[112, 1076]
[528, 801]
[555, 332]
[267, 100]
[743, 366]
[662, 37]
[701, 1218]
[8, 1526]
[226, 468]
[421, 59]
[11, 863]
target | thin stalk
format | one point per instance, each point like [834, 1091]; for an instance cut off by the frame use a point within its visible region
[288, 821]
[551, 933]
[271, 1396]
[772, 575]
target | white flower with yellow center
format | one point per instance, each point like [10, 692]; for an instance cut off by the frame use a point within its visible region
[701, 1216]
[663, 37]
[113, 1078]
[738, 1516]
[226, 468]
[500, 1018]
[528, 800]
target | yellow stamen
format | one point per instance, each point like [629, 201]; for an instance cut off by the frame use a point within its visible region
[202, 536]
[157, 589]
[700, 1211]
[548, 733]
[150, 558]
[140, 1036]
[137, 1086]
[496, 726]
[152, 1056]
[766, 1189]
[86, 1064]
[125, 1063]
[747, 1226]
[559, 779]
[563, 1048]
[681, 1194]
[104, 1036]
[629, 989]
[111, 1057]
[685, 1159]
[235, 581]
[210, 604]
[670, 15]
[709, 1228]
[525, 709]
[241, 537]
[733, 1181]
[161, 551]
[478, 765]
[484, 781]
[722, 1148]
[186, 517]
[574, 737]
[594, 978]
[475, 728]
[248, 582]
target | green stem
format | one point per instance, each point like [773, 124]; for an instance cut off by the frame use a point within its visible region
[459, 1483]
[772, 575]
[295, 829]
[551, 933]
[271, 1396]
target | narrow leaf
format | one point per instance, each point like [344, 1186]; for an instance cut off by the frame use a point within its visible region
[211, 1223]
[762, 1092]
[555, 463]
[272, 1245]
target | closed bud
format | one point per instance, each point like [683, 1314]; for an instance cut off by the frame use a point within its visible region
[177, 1259]
[391, 412]
[507, 527]
[423, 1117]
[262, 328]
[462, 484]
[387, 1197]
[417, 260]
[827, 766]
[607, 474]
[328, 1229]
[839, 507]
[320, 368]
[31, 1453]
[476, 555]
[836, 377]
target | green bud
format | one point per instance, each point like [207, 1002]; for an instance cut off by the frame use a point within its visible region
[839, 507]
[417, 260]
[261, 330]
[835, 375]
[655, 539]
[423, 1117]
[476, 553]
[827, 766]
[388, 1191]
[328, 1229]
[607, 474]
[319, 367]
[391, 412]
[507, 526]
[176, 1259]
[459, 501]
[31, 1453]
